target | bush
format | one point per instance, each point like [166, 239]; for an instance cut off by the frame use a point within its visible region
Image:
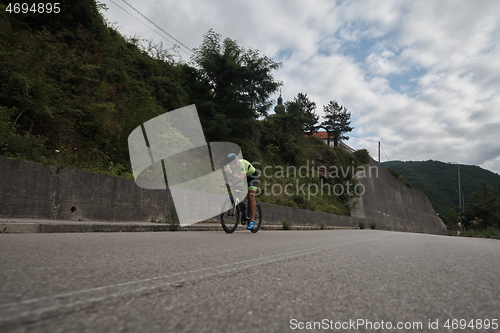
[287, 225]
[362, 156]
[13, 143]
[394, 173]
[361, 225]
[373, 226]
[322, 225]
[486, 233]
[398, 176]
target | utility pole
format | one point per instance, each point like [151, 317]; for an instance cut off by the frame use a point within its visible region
[459, 194]
[379, 152]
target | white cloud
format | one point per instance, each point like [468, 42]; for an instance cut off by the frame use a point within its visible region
[383, 63]
[422, 77]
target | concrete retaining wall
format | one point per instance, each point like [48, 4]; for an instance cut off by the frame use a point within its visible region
[273, 214]
[391, 205]
[34, 190]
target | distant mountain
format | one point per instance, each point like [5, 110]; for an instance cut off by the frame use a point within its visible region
[439, 180]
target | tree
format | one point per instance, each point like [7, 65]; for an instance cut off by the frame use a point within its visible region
[240, 81]
[299, 114]
[284, 130]
[484, 210]
[336, 123]
[450, 219]
[72, 89]
[307, 108]
[294, 118]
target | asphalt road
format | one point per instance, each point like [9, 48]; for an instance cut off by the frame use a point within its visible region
[272, 281]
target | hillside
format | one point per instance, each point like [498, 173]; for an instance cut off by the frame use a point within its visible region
[439, 180]
[73, 88]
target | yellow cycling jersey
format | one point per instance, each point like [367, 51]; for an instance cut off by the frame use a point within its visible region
[245, 167]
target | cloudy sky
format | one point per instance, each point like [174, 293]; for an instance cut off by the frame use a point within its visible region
[423, 77]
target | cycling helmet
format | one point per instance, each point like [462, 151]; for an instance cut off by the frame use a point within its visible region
[232, 158]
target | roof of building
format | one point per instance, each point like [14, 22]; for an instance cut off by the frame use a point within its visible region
[321, 134]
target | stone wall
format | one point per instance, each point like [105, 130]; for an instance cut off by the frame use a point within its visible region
[391, 205]
[34, 190]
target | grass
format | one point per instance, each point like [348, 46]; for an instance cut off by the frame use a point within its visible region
[287, 225]
[485, 233]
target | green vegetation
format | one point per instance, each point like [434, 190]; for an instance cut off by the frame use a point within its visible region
[305, 181]
[483, 212]
[286, 224]
[484, 233]
[439, 181]
[451, 218]
[337, 120]
[398, 176]
[72, 89]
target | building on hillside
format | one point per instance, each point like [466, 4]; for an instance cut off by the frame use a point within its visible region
[324, 137]
[279, 108]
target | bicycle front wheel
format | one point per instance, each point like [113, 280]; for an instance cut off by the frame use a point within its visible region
[229, 217]
[258, 218]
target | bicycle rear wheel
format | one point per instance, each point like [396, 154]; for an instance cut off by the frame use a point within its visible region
[229, 217]
[258, 218]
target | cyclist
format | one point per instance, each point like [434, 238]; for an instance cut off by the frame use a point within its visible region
[239, 169]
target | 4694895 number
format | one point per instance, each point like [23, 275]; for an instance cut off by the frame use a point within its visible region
[479, 324]
[36, 8]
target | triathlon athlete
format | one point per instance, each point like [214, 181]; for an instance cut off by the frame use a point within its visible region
[239, 169]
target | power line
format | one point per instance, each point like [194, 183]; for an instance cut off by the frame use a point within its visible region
[140, 21]
[156, 25]
[357, 137]
[384, 152]
[172, 37]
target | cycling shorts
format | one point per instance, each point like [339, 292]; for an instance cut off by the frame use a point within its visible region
[253, 181]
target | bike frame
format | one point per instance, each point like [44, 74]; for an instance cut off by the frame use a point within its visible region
[237, 202]
[238, 208]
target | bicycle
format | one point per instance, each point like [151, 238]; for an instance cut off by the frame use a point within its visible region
[235, 211]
